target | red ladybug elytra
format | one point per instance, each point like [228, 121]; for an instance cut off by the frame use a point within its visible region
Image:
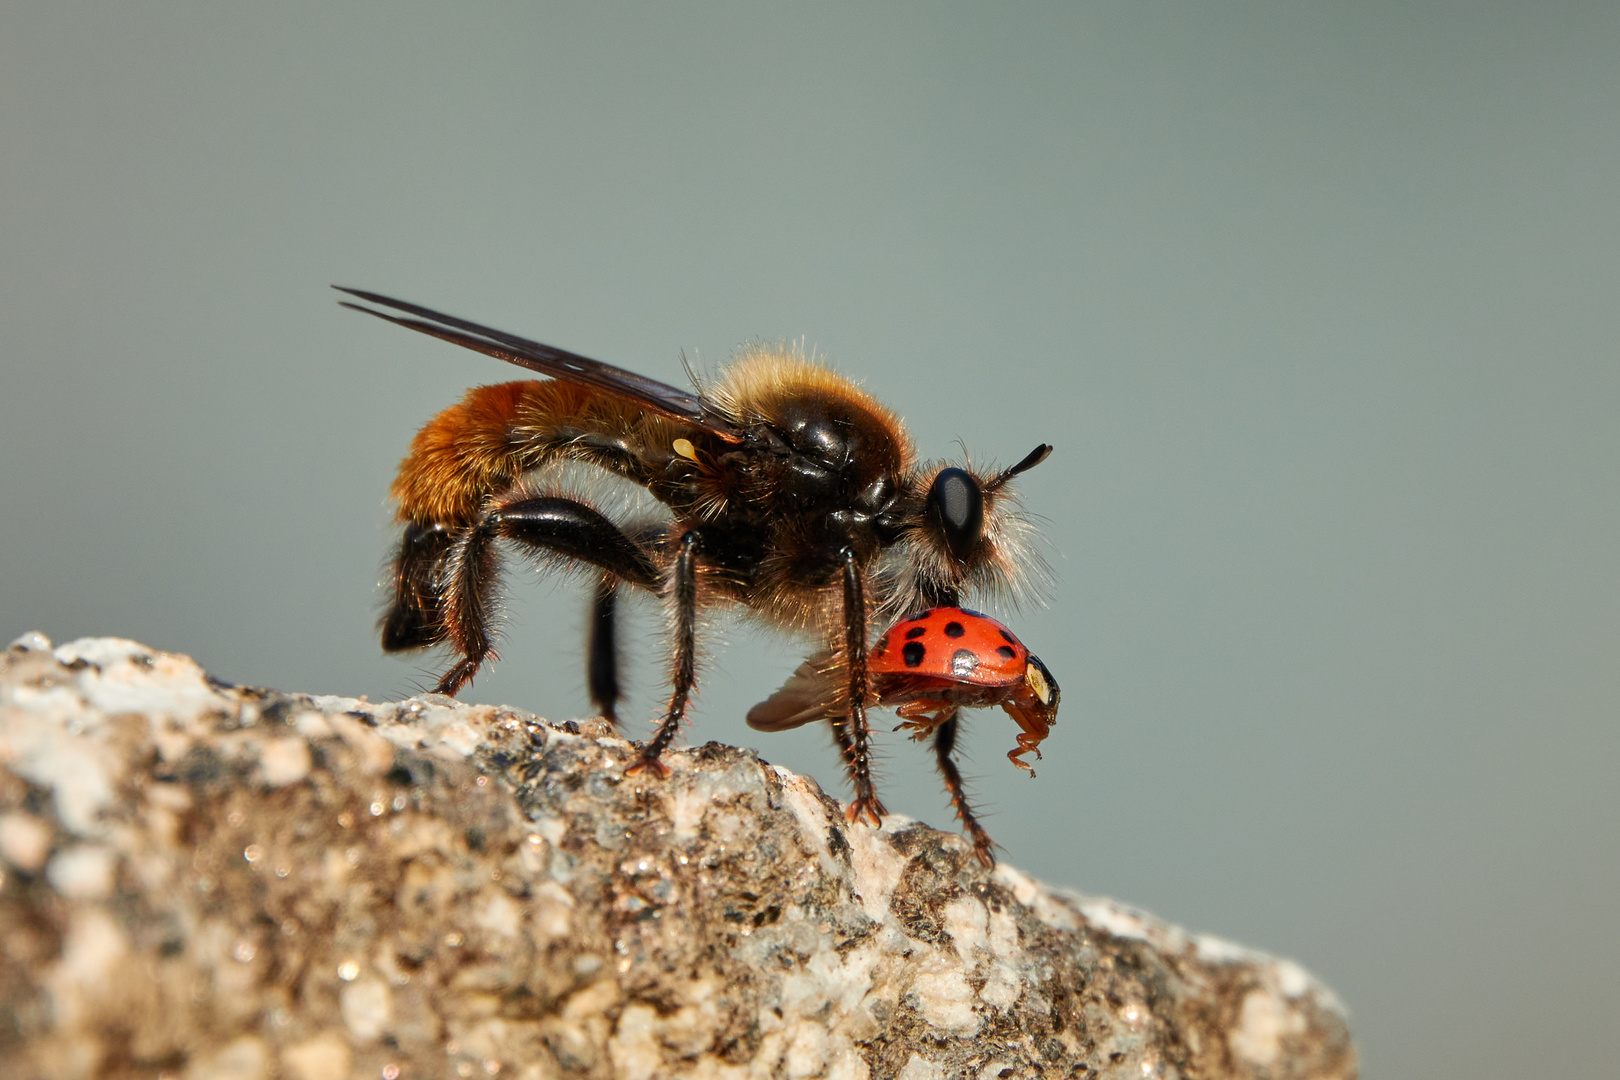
[936, 662]
[944, 658]
[951, 645]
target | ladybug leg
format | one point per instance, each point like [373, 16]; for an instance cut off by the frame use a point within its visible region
[922, 717]
[1036, 727]
[944, 744]
[851, 730]
[552, 526]
[683, 593]
[602, 650]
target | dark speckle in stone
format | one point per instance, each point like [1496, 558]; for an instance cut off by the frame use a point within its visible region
[202, 766]
[412, 769]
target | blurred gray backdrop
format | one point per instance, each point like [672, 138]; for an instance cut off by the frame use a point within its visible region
[1317, 302]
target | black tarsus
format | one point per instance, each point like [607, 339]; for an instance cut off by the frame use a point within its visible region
[602, 649]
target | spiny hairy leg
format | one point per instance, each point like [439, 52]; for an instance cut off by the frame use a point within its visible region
[851, 730]
[472, 576]
[683, 597]
[944, 744]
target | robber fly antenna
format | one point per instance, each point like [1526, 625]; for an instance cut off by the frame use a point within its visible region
[1031, 459]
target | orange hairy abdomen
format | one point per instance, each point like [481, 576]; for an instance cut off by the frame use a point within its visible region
[462, 455]
[486, 441]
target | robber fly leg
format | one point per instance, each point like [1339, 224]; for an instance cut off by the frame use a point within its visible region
[602, 656]
[944, 744]
[683, 593]
[550, 525]
[415, 619]
[473, 573]
[602, 649]
[850, 730]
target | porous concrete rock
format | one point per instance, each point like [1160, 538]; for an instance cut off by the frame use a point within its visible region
[214, 882]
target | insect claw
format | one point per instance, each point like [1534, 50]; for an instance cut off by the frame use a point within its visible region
[457, 678]
[867, 809]
[648, 764]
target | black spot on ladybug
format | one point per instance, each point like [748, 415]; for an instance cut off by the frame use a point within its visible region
[1008, 638]
[1008, 651]
[913, 653]
[916, 632]
[963, 661]
[918, 616]
[954, 629]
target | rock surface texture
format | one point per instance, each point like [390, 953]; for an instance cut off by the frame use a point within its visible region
[222, 883]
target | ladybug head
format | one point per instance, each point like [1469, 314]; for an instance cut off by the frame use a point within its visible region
[1042, 688]
[966, 533]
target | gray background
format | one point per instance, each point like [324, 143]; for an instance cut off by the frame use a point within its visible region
[1317, 304]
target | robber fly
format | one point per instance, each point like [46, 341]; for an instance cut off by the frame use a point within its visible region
[788, 490]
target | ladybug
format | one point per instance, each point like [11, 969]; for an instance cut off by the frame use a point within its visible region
[934, 663]
[930, 666]
[944, 658]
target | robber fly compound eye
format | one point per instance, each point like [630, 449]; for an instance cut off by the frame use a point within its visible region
[956, 506]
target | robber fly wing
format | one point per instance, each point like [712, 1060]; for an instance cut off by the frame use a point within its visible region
[810, 694]
[548, 360]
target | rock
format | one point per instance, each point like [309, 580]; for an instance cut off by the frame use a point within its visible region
[204, 881]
